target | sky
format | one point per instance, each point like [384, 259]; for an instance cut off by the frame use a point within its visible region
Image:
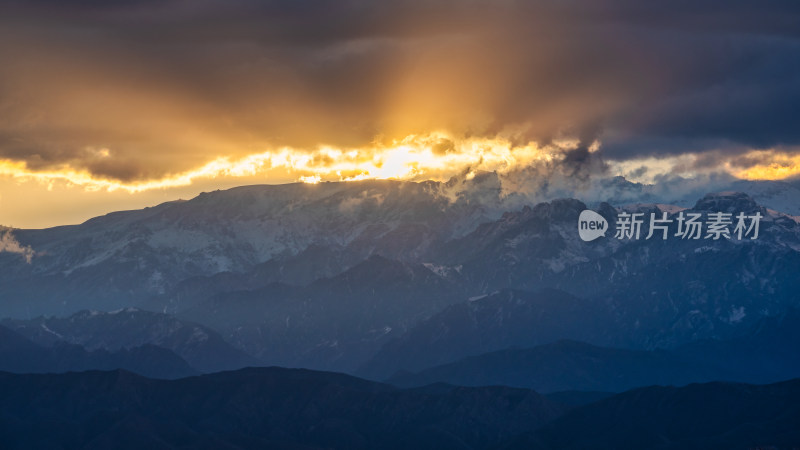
[120, 104]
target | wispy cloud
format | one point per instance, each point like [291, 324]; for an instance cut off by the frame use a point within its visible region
[9, 244]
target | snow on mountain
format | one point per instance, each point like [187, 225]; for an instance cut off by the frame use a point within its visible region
[267, 266]
[777, 195]
[126, 258]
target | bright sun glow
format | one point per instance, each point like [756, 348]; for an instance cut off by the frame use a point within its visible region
[430, 157]
[433, 156]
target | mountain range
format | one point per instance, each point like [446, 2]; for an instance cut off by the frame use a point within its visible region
[258, 408]
[710, 415]
[202, 348]
[766, 353]
[20, 355]
[379, 278]
[302, 409]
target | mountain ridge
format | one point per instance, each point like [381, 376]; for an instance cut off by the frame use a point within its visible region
[21, 355]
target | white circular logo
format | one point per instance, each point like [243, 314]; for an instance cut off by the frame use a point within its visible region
[591, 225]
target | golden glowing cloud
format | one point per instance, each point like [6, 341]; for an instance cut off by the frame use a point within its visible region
[770, 165]
[414, 157]
[751, 165]
[117, 105]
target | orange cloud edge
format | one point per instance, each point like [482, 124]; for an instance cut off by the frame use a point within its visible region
[416, 157]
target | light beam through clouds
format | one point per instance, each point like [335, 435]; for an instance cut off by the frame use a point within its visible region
[138, 97]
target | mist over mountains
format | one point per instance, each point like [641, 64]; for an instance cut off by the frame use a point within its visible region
[330, 276]
[21, 355]
[295, 233]
[202, 348]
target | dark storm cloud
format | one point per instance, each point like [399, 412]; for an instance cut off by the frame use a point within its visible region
[165, 85]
